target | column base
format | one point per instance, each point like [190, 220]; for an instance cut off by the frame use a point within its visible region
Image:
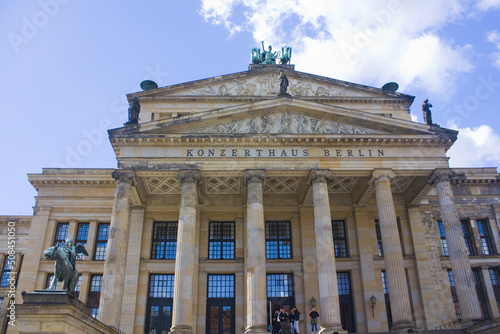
[257, 329]
[331, 329]
[181, 329]
[402, 326]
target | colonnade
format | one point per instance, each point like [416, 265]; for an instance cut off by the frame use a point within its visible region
[255, 262]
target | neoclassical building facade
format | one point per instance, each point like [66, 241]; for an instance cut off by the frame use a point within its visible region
[231, 200]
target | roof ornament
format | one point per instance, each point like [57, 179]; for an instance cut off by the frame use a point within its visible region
[427, 112]
[269, 57]
[133, 112]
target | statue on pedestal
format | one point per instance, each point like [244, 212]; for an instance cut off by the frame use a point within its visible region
[65, 271]
[133, 112]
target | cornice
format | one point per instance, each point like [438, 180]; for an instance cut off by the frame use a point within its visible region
[197, 140]
[71, 182]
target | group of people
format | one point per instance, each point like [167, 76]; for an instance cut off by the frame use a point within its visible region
[282, 318]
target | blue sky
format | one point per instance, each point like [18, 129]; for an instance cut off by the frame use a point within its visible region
[66, 66]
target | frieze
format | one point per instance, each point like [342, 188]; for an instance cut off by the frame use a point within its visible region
[288, 123]
[268, 85]
[279, 153]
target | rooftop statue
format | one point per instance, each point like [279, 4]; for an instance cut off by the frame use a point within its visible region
[427, 112]
[269, 57]
[133, 111]
[65, 271]
[283, 84]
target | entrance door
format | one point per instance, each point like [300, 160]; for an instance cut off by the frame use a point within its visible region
[346, 303]
[220, 316]
[160, 318]
[220, 305]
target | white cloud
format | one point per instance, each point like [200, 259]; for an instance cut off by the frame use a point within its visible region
[494, 37]
[390, 40]
[488, 4]
[475, 147]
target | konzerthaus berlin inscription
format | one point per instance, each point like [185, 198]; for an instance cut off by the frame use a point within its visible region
[237, 196]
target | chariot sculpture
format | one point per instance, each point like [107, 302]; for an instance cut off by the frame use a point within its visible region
[269, 57]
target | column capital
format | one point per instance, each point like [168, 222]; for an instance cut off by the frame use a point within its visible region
[441, 175]
[189, 176]
[381, 175]
[319, 176]
[123, 175]
[254, 175]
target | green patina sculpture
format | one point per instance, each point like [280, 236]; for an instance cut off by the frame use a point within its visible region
[269, 57]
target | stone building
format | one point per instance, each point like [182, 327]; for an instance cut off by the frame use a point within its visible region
[230, 201]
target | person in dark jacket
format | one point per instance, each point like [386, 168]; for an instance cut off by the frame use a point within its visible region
[314, 320]
[296, 315]
[284, 321]
[291, 317]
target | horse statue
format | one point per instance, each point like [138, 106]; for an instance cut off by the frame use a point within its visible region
[286, 55]
[65, 270]
[256, 57]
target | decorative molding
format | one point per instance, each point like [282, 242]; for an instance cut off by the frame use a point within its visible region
[341, 185]
[222, 185]
[163, 185]
[281, 185]
[80, 182]
[399, 184]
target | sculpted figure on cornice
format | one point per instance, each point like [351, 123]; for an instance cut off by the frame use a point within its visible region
[267, 85]
[286, 123]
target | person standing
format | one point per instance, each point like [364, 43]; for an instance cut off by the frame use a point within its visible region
[276, 322]
[291, 317]
[296, 315]
[284, 321]
[314, 320]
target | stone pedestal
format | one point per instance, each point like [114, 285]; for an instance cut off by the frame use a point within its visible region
[459, 259]
[325, 253]
[393, 255]
[56, 312]
[110, 304]
[186, 258]
[255, 266]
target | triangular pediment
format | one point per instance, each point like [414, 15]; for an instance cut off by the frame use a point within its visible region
[276, 117]
[265, 83]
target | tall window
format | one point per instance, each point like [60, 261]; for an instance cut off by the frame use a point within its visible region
[164, 241]
[81, 238]
[101, 242]
[485, 235]
[339, 238]
[221, 241]
[444, 244]
[495, 282]
[61, 233]
[468, 237]
[6, 268]
[278, 240]
[379, 238]
[386, 298]
[94, 294]
[454, 296]
[478, 282]
[345, 302]
[160, 297]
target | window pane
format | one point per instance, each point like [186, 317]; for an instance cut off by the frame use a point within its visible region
[161, 286]
[278, 240]
[344, 283]
[101, 242]
[164, 243]
[221, 241]
[379, 238]
[61, 233]
[220, 286]
[279, 285]
[339, 238]
[384, 282]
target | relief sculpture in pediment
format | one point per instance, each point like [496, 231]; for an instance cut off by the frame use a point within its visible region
[267, 85]
[286, 123]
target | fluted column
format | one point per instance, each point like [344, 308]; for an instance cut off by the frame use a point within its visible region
[393, 255]
[255, 266]
[110, 304]
[459, 260]
[185, 258]
[325, 253]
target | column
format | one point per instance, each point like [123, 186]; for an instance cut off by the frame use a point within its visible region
[255, 264]
[459, 260]
[489, 292]
[325, 253]
[393, 256]
[116, 251]
[185, 258]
